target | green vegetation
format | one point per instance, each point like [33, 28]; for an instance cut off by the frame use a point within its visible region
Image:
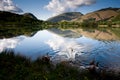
[88, 24]
[116, 20]
[17, 67]
[66, 24]
[13, 24]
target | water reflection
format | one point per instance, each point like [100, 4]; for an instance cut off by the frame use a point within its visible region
[44, 42]
[10, 43]
[77, 45]
[105, 34]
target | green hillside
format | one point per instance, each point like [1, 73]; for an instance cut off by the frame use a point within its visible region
[65, 16]
[10, 18]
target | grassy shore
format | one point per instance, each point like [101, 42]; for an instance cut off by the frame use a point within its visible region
[17, 67]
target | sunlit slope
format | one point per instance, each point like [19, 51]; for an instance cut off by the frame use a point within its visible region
[103, 14]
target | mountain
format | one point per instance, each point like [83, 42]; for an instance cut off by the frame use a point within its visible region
[103, 14]
[12, 24]
[65, 16]
[30, 15]
[8, 17]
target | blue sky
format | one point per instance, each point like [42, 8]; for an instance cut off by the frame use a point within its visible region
[37, 7]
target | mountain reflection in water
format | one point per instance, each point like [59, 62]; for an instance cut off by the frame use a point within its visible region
[77, 45]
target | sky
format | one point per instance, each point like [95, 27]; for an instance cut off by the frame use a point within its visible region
[43, 9]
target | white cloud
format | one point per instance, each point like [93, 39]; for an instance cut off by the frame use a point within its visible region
[61, 6]
[8, 5]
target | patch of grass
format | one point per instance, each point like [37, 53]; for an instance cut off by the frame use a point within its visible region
[17, 67]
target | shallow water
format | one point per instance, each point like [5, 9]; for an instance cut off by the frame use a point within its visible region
[76, 45]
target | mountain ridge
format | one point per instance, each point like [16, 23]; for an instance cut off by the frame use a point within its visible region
[6, 14]
[68, 16]
[98, 15]
[30, 15]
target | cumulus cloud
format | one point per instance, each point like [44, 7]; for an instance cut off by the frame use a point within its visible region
[61, 6]
[8, 5]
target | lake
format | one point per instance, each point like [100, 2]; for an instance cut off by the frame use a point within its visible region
[78, 45]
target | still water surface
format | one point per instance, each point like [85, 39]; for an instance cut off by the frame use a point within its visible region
[77, 45]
